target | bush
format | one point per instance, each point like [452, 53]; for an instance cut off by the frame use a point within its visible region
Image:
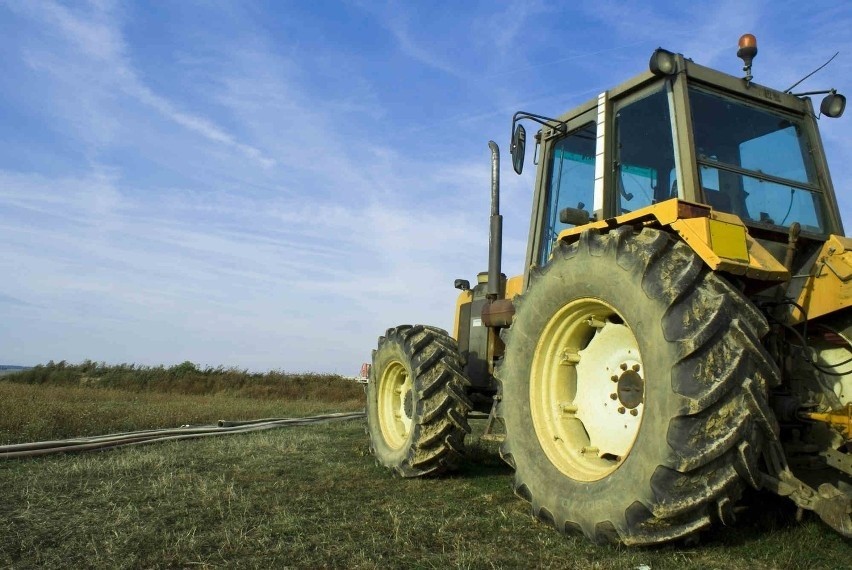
[188, 378]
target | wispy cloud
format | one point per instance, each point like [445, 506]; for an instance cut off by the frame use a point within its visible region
[96, 36]
[275, 190]
[398, 20]
[9, 300]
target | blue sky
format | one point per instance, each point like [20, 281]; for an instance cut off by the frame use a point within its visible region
[271, 185]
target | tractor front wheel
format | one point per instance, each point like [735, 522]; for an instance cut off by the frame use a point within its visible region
[626, 383]
[416, 401]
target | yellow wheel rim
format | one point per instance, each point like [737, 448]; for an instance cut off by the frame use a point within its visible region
[395, 404]
[587, 389]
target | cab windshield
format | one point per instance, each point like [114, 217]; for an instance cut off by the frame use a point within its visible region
[755, 163]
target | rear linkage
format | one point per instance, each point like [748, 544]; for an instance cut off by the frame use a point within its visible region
[829, 503]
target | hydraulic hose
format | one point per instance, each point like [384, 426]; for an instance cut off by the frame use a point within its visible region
[124, 439]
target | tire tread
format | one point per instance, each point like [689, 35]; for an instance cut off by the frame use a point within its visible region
[441, 402]
[715, 443]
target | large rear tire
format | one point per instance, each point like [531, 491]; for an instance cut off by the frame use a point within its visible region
[626, 383]
[416, 401]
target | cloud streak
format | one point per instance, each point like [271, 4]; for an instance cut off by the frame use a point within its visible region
[96, 36]
[274, 190]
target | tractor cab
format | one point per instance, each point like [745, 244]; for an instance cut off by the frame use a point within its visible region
[684, 131]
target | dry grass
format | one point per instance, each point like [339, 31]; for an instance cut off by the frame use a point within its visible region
[66, 400]
[304, 497]
[41, 412]
[311, 497]
[187, 378]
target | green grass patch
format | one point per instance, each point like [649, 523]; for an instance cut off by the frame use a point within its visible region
[298, 497]
[311, 497]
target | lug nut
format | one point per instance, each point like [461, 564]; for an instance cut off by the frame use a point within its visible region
[613, 396]
[634, 412]
[621, 410]
[635, 368]
[614, 378]
[624, 366]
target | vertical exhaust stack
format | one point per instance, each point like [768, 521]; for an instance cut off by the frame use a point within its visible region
[495, 237]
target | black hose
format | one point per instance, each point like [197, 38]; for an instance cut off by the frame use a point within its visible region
[802, 336]
[110, 441]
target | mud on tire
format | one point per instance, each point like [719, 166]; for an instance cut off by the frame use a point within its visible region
[696, 445]
[416, 401]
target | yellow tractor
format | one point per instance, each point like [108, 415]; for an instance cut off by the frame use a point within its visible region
[681, 331]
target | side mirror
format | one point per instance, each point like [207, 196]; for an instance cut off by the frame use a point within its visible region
[833, 105]
[462, 284]
[519, 146]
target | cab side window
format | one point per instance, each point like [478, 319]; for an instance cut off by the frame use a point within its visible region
[570, 183]
[644, 154]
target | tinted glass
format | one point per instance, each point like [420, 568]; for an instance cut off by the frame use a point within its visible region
[644, 157]
[755, 163]
[571, 182]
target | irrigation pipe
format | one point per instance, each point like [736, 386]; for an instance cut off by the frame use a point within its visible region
[124, 439]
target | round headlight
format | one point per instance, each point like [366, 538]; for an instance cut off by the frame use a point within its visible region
[663, 62]
[833, 105]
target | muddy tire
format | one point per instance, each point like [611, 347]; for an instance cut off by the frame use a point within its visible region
[416, 401]
[628, 380]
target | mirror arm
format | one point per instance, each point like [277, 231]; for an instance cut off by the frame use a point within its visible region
[824, 92]
[518, 136]
[540, 119]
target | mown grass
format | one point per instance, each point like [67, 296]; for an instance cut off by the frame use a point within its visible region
[302, 497]
[311, 497]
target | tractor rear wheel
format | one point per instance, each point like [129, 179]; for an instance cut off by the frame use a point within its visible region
[416, 401]
[626, 383]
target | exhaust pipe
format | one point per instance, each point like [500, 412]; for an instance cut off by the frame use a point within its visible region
[495, 237]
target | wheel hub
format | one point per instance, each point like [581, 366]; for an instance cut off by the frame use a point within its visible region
[587, 389]
[611, 353]
[395, 402]
[631, 388]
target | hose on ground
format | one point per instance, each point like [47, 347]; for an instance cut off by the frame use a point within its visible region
[124, 439]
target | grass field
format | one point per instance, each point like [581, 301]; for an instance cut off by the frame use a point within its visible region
[62, 401]
[38, 413]
[311, 497]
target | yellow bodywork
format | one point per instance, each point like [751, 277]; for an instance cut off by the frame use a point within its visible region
[828, 286]
[463, 298]
[514, 287]
[723, 242]
[720, 239]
